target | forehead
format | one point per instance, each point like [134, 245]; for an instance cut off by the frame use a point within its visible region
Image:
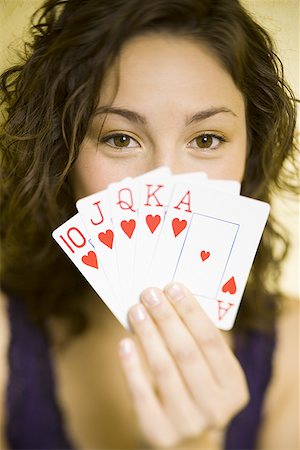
[163, 70]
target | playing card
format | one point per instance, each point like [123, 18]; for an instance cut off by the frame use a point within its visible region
[154, 192]
[208, 242]
[95, 213]
[123, 198]
[73, 238]
[229, 186]
[195, 177]
[192, 177]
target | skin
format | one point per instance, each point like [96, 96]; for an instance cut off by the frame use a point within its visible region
[191, 117]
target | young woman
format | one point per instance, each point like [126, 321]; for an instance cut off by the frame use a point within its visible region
[176, 381]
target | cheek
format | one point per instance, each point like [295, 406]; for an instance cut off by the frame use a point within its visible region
[88, 174]
[85, 180]
[235, 165]
[237, 168]
[235, 162]
[230, 166]
[93, 172]
[241, 157]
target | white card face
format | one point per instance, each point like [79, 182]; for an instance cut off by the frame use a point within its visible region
[197, 177]
[96, 214]
[75, 241]
[192, 177]
[123, 198]
[233, 187]
[214, 239]
[154, 192]
[215, 259]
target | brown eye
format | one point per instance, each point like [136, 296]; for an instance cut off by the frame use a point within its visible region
[120, 141]
[207, 141]
[204, 141]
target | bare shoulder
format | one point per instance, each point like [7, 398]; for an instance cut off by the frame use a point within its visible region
[4, 338]
[280, 429]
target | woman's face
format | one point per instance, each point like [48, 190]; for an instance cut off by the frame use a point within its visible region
[166, 101]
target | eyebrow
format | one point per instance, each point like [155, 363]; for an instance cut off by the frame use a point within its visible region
[129, 115]
[205, 114]
[139, 119]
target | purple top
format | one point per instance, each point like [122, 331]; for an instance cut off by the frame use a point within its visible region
[34, 420]
[255, 354]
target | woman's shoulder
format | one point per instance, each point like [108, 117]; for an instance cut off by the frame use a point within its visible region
[281, 409]
[4, 339]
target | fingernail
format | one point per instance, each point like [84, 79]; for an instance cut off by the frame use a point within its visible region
[138, 313]
[175, 291]
[152, 296]
[125, 347]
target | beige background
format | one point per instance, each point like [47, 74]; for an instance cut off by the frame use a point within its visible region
[280, 17]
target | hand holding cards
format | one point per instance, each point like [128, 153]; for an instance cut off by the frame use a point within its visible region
[159, 228]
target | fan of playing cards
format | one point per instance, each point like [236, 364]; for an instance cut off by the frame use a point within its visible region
[158, 228]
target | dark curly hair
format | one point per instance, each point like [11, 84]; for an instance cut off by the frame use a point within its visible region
[49, 99]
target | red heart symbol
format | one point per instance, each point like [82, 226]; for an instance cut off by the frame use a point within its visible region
[90, 259]
[128, 226]
[178, 226]
[152, 222]
[107, 238]
[204, 255]
[230, 286]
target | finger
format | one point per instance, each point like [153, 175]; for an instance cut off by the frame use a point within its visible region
[156, 427]
[174, 395]
[218, 355]
[183, 347]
